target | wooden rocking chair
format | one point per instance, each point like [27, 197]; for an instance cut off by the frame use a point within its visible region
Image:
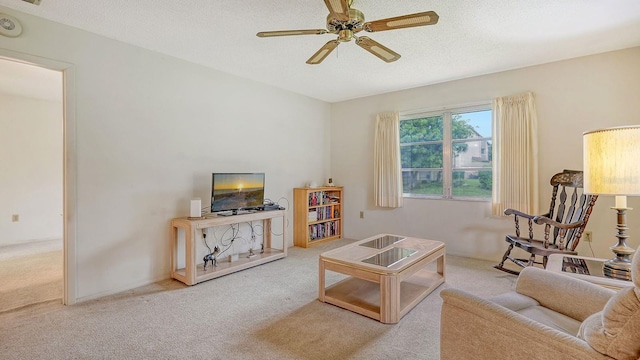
[563, 224]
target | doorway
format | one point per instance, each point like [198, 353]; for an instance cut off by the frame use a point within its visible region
[37, 231]
[31, 185]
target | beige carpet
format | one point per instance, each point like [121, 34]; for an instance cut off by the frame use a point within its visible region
[29, 276]
[267, 312]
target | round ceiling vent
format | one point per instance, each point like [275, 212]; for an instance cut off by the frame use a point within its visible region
[9, 26]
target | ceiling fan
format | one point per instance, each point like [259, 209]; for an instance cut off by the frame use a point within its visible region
[346, 21]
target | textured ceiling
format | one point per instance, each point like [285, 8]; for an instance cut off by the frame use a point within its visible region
[472, 37]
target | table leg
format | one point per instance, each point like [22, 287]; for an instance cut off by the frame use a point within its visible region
[174, 250]
[266, 233]
[441, 265]
[190, 253]
[389, 299]
[321, 288]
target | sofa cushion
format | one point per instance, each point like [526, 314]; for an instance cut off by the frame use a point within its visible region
[530, 308]
[615, 331]
[514, 301]
[562, 293]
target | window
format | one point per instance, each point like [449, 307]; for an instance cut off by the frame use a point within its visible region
[447, 154]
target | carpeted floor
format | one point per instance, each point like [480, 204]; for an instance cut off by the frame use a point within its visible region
[267, 312]
[30, 274]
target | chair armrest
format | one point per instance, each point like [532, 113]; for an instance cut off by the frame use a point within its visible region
[520, 213]
[573, 297]
[545, 220]
[474, 327]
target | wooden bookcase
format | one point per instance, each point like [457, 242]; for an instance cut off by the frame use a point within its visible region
[317, 215]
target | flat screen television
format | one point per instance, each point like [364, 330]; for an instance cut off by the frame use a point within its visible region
[234, 191]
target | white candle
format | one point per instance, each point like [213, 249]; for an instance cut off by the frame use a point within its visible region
[621, 202]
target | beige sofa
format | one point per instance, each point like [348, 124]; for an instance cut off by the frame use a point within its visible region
[549, 316]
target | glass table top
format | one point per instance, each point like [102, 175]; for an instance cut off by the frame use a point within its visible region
[389, 257]
[382, 242]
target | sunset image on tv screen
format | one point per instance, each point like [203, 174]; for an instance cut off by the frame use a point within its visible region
[235, 191]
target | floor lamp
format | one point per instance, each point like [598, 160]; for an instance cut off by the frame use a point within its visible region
[612, 167]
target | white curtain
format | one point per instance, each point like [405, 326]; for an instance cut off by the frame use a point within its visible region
[515, 154]
[387, 182]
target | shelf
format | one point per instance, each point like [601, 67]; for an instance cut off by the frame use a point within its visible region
[322, 205]
[417, 287]
[323, 221]
[324, 239]
[244, 262]
[319, 223]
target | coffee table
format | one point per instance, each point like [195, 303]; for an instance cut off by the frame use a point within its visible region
[388, 275]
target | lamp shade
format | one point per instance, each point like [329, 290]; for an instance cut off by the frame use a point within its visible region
[611, 162]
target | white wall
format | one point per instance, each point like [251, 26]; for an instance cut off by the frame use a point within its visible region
[150, 130]
[572, 96]
[30, 169]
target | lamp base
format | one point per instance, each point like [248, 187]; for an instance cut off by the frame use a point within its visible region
[620, 266]
[617, 269]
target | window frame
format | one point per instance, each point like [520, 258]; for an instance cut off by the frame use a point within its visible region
[447, 148]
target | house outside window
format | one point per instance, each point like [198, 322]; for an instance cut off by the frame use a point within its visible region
[447, 154]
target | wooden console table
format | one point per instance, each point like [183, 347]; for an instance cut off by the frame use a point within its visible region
[194, 272]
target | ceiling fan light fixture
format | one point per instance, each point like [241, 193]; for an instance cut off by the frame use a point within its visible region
[355, 20]
[345, 35]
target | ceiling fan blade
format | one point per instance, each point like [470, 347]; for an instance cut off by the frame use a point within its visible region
[323, 52]
[338, 8]
[377, 49]
[291, 32]
[399, 22]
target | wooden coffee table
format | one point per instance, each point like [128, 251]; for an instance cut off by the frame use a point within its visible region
[386, 279]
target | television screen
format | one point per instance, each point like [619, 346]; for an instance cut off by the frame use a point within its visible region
[232, 191]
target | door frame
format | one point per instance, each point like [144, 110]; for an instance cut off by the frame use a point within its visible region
[69, 166]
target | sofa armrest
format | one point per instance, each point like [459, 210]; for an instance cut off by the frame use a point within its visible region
[573, 297]
[474, 327]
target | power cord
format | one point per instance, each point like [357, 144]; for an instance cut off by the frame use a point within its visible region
[212, 256]
[286, 227]
[253, 238]
[286, 200]
[592, 253]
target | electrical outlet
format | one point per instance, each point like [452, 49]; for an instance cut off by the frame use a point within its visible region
[15, 218]
[361, 214]
[588, 236]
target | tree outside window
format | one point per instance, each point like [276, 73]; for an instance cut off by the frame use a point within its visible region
[447, 154]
